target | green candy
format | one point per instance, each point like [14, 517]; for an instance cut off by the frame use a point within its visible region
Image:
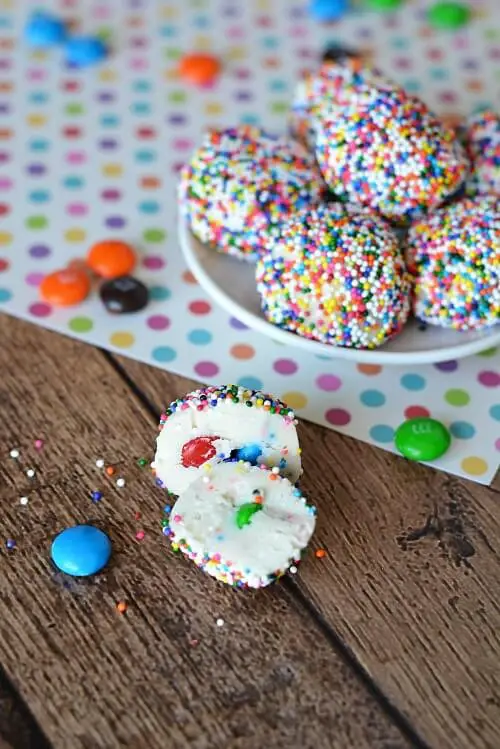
[246, 512]
[383, 4]
[449, 15]
[422, 439]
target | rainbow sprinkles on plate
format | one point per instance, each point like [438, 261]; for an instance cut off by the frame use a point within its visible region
[232, 456]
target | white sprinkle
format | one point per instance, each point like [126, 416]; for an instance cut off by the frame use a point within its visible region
[293, 569]
[99, 463]
[120, 482]
[275, 469]
[220, 622]
[30, 473]
[205, 479]
[14, 453]
[23, 500]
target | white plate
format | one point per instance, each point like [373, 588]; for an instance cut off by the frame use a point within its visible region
[231, 283]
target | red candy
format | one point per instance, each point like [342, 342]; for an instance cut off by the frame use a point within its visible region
[196, 452]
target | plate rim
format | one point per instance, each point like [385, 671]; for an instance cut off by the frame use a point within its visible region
[317, 348]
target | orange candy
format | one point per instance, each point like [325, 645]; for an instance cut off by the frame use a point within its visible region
[111, 258]
[199, 68]
[66, 287]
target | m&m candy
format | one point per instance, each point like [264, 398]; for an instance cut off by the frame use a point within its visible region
[422, 439]
[44, 30]
[199, 68]
[66, 287]
[124, 294]
[83, 51]
[111, 258]
[81, 550]
[328, 10]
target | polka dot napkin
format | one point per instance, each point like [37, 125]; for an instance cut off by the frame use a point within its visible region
[90, 154]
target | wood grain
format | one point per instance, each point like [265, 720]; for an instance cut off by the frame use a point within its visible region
[410, 579]
[163, 674]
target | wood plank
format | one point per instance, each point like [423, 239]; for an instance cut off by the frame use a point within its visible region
[163, 674]
[17, 727]
[410, 579]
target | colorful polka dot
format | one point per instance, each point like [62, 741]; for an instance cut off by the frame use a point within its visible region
[200, 308]
[295, 399]
[200, 337]
[122, 339]
[447, 366]
[372, 398]
[382, 433]
[285, 366]
[369, 369]
[462, 430]
[242, 351]
[154, 262]
[5, 295]
[415, 412]
[495, 411]
[457, 397]
[413, 382]
[164, 354]
[338, 417]
[489, 379]
[206, 369]
[474, 466]
[158, 322]
[81, 324]
[328, 382]
[159, 293]
[250, 382]
[40, 309]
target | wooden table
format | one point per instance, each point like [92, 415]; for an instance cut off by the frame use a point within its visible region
[389, 641]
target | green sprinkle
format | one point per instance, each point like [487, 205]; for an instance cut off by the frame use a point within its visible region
[246, 512]
[142, 462]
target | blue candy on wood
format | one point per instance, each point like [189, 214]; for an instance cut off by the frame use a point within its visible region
[81, 550]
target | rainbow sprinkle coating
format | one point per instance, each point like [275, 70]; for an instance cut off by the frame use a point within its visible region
[335, 277]
[482, 140]
[454, 257]
[240, 183]
[213, 563]
[212, 396]
[379, 146]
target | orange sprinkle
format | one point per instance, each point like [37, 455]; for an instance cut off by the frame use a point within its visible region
[273, 476]
[320, 553]
[121, 607]
[110, 470]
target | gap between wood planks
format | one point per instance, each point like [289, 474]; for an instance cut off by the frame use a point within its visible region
[163, 674]
[409, 583]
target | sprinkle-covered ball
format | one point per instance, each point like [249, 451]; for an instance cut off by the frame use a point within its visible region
[337, 277]
[454, 257]
[240, 183]
[377, 145]
[482, 140]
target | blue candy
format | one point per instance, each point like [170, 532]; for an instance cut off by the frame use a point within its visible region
[81, 550]
[328, 10]
[84, 51]
[44, 30]
[250, 453]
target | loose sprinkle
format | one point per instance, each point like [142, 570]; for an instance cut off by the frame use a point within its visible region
[142, 462]
[30, 473]
[120, 483]
[96, 496]
[23, 500]
[121, 607]
[293, 569]
[110, 471]
[99, 463]
[140, 535]
[10, 543]
[14, 453]
[39, 443]
[220, 622]
[320, 553]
